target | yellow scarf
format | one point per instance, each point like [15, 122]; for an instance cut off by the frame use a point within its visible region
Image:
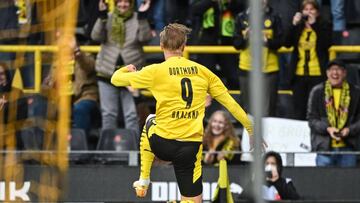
[337, 117]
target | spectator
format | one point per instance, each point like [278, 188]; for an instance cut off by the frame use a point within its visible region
[219, 137]
[272, 42]
[156, 13]
[83, 88]
[334, 117]
[12, 109]
[122, 35]
[276, 186]
[311, 38]
[338, 20]
[86, 110]
[217, 28]
[286, 10]
[178, 11]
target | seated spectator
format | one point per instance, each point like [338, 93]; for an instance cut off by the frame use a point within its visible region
[276, 186]
[334, 115]
[219, 137]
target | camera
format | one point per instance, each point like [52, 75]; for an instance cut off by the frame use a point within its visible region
[304, 18]
[338, 134]
[268, 171]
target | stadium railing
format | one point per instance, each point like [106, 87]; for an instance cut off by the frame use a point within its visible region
[39, 49]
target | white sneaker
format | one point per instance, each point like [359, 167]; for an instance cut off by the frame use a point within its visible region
[141, 187]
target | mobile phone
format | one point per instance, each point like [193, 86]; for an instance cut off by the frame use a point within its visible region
[268, 174]
[268, 171]
[304, 17]
[338, 134]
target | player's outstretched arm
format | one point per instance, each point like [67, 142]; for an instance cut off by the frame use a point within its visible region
[235, 109]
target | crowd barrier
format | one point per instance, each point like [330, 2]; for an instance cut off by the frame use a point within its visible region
[112, 183]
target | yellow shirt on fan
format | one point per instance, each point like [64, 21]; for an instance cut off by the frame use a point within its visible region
[180, 87]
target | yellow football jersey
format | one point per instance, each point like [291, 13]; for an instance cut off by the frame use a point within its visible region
[180, 87]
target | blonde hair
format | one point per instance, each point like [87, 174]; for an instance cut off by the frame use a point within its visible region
[174, 36]
[314, 3]
[229, 130]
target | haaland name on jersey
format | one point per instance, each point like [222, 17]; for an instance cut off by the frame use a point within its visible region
[183, 70]
[185, 114]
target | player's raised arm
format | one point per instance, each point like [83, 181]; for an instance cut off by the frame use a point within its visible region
[128, 76]
[121, 76]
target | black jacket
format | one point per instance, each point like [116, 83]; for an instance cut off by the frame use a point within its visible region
[242, 22]
[285, 188]
[323, 42]
[318, 122]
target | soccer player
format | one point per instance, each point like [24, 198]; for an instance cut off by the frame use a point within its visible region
[180, 87]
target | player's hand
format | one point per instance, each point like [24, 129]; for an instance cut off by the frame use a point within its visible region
[264, 145]
[131, 68]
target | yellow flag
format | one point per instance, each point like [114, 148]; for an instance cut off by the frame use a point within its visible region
[222, 193]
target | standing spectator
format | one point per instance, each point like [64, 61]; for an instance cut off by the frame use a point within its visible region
[12, 109]
[286, 10]
[338, 20]
[82, 88]
[334, 117]
[156, 13]
[217, 28]
[177, 11]
[272, 40]
[85, 108]
[276, 187]
[219, 137]
[311, 38]
[122, 35]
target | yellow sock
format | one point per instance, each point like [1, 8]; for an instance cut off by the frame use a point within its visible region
[146, 155]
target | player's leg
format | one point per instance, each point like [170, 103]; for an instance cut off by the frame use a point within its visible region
[186, 158]
[188, 171]
[146, 158]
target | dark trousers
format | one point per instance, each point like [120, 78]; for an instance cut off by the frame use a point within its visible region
[270, 92]
[301, 89]
[224, 66]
